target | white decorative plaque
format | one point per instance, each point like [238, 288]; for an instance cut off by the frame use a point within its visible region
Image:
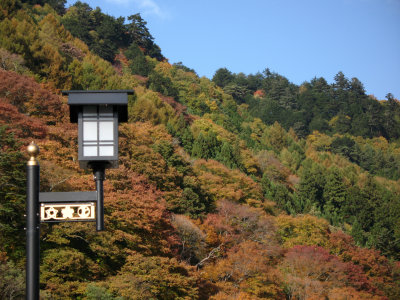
[67, 212]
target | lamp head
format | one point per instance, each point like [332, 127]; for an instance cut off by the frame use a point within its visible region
[98, 114]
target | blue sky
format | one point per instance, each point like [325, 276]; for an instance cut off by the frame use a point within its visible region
[297, 39]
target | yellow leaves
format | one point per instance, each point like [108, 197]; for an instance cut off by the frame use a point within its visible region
[150, 107]
[302, 230]
[333, 122]
[206, 125]
[275, 137]
[224, 183]
[380, 143]
[52, 32]
[303, 88]
[319, 140]
[257, 129]
[249, 161]
[164, 68]
[233, 295]
[17, 36]
[212, 104]
[153, 277]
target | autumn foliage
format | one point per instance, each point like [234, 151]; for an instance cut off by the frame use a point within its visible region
[222, 191]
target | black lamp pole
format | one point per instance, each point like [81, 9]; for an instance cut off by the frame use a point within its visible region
[99, 176]
[32, 225]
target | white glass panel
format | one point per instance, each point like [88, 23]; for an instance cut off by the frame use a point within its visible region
[89, 131]
[89, 151]
[106, 111]
[89, 111]
[106, 151]
[106, 131]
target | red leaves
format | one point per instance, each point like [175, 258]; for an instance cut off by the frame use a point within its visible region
[247, 267]
[368, 264]
[234, 223]
[30, 97]
[311, 271]
[140, 217]
[20, 124]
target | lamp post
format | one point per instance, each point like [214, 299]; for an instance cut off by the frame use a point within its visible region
[98, 114]
[32, 224]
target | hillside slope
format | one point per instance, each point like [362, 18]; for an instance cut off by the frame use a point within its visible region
[218, 195]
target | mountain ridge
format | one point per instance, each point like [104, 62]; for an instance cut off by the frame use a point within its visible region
[210, 201]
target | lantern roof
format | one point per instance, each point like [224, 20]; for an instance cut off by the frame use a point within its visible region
[117, 98]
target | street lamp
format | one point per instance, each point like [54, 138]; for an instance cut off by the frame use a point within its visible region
[98, 114]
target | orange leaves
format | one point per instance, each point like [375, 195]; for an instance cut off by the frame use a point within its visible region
[20, 124]
[247, 267]
[31, 98]
[58, 153]
[247, 253]
[311, 272]
[259, 94]
[193, 246]
[371, 261]
[140, 217]
[235, 223]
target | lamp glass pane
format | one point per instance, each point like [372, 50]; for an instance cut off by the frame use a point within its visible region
[90, 111]
[89, 150]
[106, 151]
[106, 131]
[89, 131]
[105, 111]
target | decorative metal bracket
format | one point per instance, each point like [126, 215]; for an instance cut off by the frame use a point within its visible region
[67, 206]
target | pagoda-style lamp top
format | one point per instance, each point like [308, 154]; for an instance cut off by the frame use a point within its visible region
[98, 114]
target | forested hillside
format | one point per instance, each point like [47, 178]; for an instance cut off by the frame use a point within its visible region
[239, 187]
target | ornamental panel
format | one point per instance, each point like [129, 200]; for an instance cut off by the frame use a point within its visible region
[67, 212]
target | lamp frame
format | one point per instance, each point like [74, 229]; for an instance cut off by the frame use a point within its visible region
[85, 162]
[118, 100]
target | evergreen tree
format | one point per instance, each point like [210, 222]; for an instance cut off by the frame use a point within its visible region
[138, 62]
[12, 195]
[334, 196]
[229, 155]
[140, 35]
[311, 187]
[206, 145]
[223, 77]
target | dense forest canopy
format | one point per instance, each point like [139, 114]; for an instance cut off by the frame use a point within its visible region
[341, 107]
[239, 187]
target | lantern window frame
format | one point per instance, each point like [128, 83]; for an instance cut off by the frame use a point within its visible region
[116, 102]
